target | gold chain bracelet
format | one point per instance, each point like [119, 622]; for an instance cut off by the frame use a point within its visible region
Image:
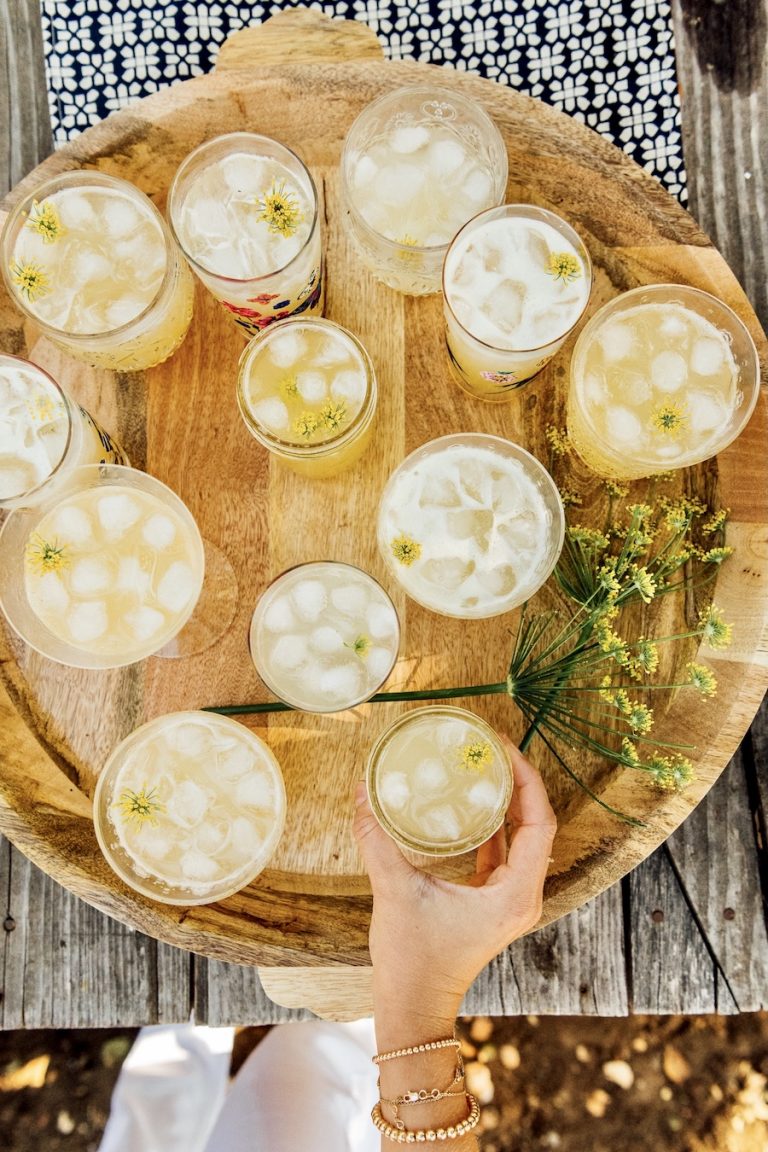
[427, 1135]
[431, 1046]
[424, 1095]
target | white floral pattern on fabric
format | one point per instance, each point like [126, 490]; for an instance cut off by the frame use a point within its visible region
[608, 63]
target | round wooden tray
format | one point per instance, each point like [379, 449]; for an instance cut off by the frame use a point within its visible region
[180, 422]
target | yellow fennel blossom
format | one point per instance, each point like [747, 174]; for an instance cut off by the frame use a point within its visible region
[406, 550]
[715, 555]
[44, 557]
[558, 440]
[607, 580]
[360, 646]
[640, 718]
[629, 750]
[333, 414]
[671, 773]
[613, 488]
[713, 630]
[677, 518]
[31, 280]
[643, 582]
[306, 425]
[570, 499]
[44, 219]
[612, 644]
[476, 757]
[715, 522]
[669, 419]
[289, 386]
[140, 806]
[280, 210]
[645, 658]
[616, 696]
[702, 679]
[563, 266]
[588, 537]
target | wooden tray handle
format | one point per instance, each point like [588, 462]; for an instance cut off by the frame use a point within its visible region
[299, 36]
[341, 993]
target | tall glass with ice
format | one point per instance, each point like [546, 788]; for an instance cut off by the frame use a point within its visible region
[662, 377]
[244, 210]
[44, 434]
[417, 164]
[91, 260]
[439, 781]
[470, 525]
[189, 808]
[307, 392]
[103, 572]
[324, 636]
[516, 281]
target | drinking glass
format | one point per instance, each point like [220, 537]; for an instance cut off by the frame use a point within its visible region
[90, 259]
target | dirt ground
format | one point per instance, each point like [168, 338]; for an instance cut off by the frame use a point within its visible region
[547, 1084]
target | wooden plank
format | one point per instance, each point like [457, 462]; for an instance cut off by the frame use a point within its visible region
[554, 971]
[671, 969]
[233, 994]
[25, 124]
[723, 884]
[65, 965]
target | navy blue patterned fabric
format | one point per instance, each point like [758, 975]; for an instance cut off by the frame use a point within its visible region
[609, 63]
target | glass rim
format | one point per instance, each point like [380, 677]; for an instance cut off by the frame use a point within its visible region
[269, 591]
[112, 764]
[12, 502]
[396, 245]
[289, 448]
[490, 440]
[184, 167]
[413, 844]
[75, 176]
[615, 305]
[501, 212]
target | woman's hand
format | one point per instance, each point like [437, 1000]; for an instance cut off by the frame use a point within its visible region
[429, 938]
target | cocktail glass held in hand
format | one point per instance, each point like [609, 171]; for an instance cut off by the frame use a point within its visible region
[516, 281]
[91, 260]
[44, 434]
[244, 210]
[417, 164]
[439, 781]
[189, 808]
[662, 377]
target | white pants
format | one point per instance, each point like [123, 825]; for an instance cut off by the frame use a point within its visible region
[307, 1087]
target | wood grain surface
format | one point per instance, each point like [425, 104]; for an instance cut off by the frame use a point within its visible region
[312, 906]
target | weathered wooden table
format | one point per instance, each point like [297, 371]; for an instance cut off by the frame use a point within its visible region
[686, 931]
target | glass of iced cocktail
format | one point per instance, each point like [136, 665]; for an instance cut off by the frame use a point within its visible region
[44, 434]
[103, 572]
[189, 808]
[90, 259]
[324, 636]
[470, 525]
[244, 210]
[439, 780]
[662, 377]
[516, 281]
[307, 392]
[417, 164]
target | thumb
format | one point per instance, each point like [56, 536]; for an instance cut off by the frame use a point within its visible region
[384, 861]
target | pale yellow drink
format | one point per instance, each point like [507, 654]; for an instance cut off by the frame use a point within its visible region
[189, 808]
[44, 434]
[324, 636]
[104, 572]
[439, 781]
[91, 259]
[470, 525]
[662, 377]
[307, 392]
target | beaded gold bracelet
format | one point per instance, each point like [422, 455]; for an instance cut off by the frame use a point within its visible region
[427, 1135]
[380, 1057]
[424, 1095]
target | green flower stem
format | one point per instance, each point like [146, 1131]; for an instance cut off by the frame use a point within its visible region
[379, 698]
